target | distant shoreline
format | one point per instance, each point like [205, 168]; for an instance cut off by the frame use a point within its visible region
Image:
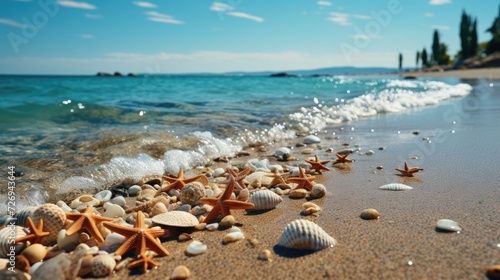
[479, 73]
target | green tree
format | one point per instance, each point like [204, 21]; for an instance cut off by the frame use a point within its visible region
[425, 59]
[417, 60]
[494, 43]
[400, 62]
[435, 48]
[468, 36]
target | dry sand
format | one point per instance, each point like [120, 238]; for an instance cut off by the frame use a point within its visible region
[482, 73]
[458, 149]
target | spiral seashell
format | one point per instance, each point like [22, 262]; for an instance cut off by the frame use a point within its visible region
[395, 187]
[147, 206]
[103, 265]
[6, 236]
[54, 220]
[22, 215]
[84, 201]
[305, 235]
[264, 200]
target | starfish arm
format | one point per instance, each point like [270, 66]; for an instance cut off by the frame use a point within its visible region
[153, 244]
[127, 245]
[123, 230]
[212, 201]
[400, 170]
[157, 232]
[75, 227]
[146, 261]
[236, 204]
[212, 215]
[91, 227]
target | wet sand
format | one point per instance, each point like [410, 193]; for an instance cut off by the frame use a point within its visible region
[458, 148]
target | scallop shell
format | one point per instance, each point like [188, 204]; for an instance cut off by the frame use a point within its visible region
[54, 220]
[395, 187]
[265, 178]
[176, 219]
[448, 225]
[103, 265]
[264, 200]
[22, 216]
[305, 235]
[6, 243]
[84, 201]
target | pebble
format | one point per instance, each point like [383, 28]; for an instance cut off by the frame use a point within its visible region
[311, 139]
[134, 190]
[200, 226]
[306, 151]
[380, 167]
[369, 214]
[264, 255]
[196, 248]
[318, 191]
[298, 193]
[448, 225]
[227, 221]
[233, 237]
[180, 272]
[219, 171]
[118, 200]
[35, 253]
[369, 153]
[212, 226]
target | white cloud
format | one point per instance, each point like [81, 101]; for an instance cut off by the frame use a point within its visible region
[77, 5]
[10, 22]
[144, 4]
[324, 3]
[93, 16]
[87, 36]
[159, 17]
[343, 18]
[429, 14]
[245, 15]
[440, 27]
[221, 7]
[439, 2]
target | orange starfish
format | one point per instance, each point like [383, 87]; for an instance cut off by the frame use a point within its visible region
[139, 237]
[277, 178]
[223, 204]
[36, 233]
[317, 164]
[303, 181]
[239, 177]
[144, 260]
[408, 172]
[89, 221]
[178, 182]
[341, 159]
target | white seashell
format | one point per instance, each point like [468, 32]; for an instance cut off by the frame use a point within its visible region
[22, 216]
[64, 241]
[103, 265]
[103, 196]
[176, 219]
[243, 195]
[395, 187]
[264, 200]
[234, 229]
[191, 193]
[448, 225]
[233, 237]
[305, 235]
[195, 248]
[311, 139]
[279, 153]
[114, 238]
[265, 178]
[218, 172]
[318, 191]
[65, 207]
[118, 200]
[114, 211]
[212, 226]
[258, 165]
[84, 201]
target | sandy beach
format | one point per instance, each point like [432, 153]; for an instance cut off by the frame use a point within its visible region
[457, 148]
[480, 73]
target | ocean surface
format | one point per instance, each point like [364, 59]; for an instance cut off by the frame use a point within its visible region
[67, 133]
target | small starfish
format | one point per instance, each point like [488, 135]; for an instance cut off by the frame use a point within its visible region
[408, 172]
[341, 159]
[303, 181]
[139, 237]
[87, 220]
[36, 233]
[146, 261]
[223, 204]
[239, 177]
[277, 178]
[317, 164]
[178, 182]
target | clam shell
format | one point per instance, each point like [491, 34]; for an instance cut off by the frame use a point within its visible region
[114, 211]
[84, 201]
[264, 200]
[195, 248]
[395, 187]
[103, 196]
[305, 235]
[35, 252]
[265, 178]
[103, 265]
[5, 240]
[54, 220]
[448, 225]
[176, 219]
[23, 215]
[158, 209]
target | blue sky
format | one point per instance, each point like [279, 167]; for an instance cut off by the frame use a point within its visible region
[182, 36]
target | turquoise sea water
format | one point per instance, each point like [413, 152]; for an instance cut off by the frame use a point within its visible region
[66, 131]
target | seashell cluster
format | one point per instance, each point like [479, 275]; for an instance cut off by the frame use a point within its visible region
[305, 235]
[395, 187]
[264, 200]
[54, 220]
[176, 219]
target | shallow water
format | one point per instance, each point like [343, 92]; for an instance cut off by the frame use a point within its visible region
[69, 132]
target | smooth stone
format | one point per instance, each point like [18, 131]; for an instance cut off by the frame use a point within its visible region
[212, 226]
[219, 171]
[114, 238]
[227, 221]
[233, 237]
[180, 273]
[282, 153]
[306, 151]
[65, 207]
[264, 255]
[114, 211]
[196, 248]
[369, 214]
[184, 207]
[104, 196]
[311, 139]
[448, 225]
[64, 241]
[297, 194]
[369, 153]
[35, 253]
[119, 200]
[134, 190]
[318, 191]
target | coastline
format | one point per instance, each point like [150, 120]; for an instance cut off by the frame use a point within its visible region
[479, 73]
[403, 243]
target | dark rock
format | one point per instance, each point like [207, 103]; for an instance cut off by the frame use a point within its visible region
[132, 75]
[104, 74]
[118, 74]
[282, 74]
